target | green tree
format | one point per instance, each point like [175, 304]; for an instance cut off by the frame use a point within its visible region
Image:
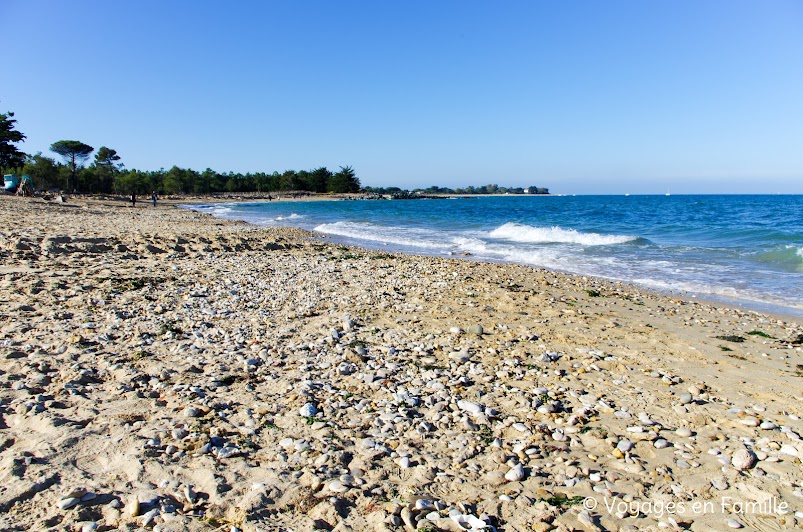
[74, 153]
[10, 155]
[105, 167]
[318, 179]
[43, 170]
[344, 181]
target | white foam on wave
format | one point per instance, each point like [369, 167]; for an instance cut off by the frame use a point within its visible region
[293, 216]
[536, 235]
[400, 236]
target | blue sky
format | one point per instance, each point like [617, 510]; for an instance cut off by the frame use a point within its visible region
[580, 97]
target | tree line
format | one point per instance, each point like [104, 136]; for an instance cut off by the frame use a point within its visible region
[107, 174]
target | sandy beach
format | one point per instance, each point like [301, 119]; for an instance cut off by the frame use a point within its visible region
[160, 368]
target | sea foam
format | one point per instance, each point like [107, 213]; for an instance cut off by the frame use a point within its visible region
[400, 236]
[526, 233]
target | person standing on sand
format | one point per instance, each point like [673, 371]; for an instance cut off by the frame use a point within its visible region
[153, 197]
[133, 199]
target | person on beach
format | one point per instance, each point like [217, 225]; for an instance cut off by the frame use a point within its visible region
[153, 197]
[133, 199]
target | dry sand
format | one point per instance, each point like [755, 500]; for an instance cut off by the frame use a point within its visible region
[161, 368]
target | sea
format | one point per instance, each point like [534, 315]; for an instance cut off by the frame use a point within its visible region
[741, 250]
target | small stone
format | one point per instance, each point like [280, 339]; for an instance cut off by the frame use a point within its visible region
[686, 398]
[733, 523]
[475, 329]
[337, 486]
[308, 410]
[515, 474]
[743, 459]
[133, 506]
[191, 411]
[625, 445]
[68, 502]
[468, 406]
[585, 518]
[788, 449]
[683, 432]
[423, 504]
[407, 518]
[661, 443]
[719, 483]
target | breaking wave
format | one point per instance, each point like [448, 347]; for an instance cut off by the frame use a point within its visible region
[526, 233]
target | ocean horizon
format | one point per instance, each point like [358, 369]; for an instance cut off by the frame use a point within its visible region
[742, 250]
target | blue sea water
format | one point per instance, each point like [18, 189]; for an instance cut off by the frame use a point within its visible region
[743, 250]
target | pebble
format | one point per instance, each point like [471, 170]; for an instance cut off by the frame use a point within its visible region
[625, 445]
[337, 486]
[475, 329]
[660, 443]
[719, 483]
[686, 398]
[683, 432]
[191, 411]
[743, 459]
[308, 410]
[733, 523]
[68, 502]
[516, 473]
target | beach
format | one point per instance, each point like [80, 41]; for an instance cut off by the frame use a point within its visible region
[162, 368]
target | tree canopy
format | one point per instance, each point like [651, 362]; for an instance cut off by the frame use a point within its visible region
[75, 154]
[10, 155]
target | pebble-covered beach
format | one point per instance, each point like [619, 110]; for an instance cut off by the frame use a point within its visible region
[160, 368]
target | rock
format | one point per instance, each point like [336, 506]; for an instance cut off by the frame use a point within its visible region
[308, 410]
[719, 483]
[468, 406]
[516, 473]
[191, 411]
[733, 523]
[686, 398]
[337, 486]
[68, 502]
[660, 443]
[625, 445]
[133, 506]
[683, 432]
[407, 518]
[475, 329]
[585, 518]
[743, 459]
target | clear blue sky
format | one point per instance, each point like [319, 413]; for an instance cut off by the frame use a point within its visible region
[580, 97]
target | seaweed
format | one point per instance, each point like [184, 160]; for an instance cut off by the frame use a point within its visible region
[731, 338]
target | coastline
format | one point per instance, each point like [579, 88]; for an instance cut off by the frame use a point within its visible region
[147, 350]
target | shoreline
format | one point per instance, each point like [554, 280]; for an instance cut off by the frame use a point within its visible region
[161, 366]
[759, 306]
